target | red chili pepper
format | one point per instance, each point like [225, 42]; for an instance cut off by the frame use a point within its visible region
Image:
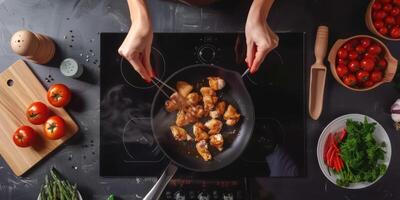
[343, 134]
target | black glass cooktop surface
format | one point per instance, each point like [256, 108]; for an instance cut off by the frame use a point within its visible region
[277, 147]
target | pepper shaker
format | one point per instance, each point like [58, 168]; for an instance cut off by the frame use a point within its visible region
[36, 47]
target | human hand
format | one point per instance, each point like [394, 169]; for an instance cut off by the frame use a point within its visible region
[260, 39]
[136, 48]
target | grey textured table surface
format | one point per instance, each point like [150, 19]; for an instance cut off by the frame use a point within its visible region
[75, 26]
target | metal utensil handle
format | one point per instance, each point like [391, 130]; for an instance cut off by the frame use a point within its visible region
[246, 72]
[162, 182]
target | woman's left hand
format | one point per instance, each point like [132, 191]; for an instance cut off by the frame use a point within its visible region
[260, 39]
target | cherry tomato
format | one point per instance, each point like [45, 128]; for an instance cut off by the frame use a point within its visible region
[367, 64]
[387, 7]
[376, 76]
[386, 1]
[353, 55]
[341, 70]
[390, 20]
[360, 49]
[396, 2]
[398, 20]
[380, 14]
[354, 66]
[347, 46]
[376, 5]
[395, 32]
[370, 55]
[24, 136]
[395, 11]
[382, 64]
[362, 76]
[54, 128]
[37, 113]
[342, 61]
[350, 80]
[59, 95]
[354, 42]
[368, 84]
[365, 42]
[383, 30]
[379, 24]
[342, 53]
[375, 49]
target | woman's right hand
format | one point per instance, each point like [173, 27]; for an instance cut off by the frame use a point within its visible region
[136, 48]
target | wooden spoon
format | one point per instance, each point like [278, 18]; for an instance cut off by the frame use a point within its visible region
[318, 74]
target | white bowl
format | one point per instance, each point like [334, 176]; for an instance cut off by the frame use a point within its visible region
[338, 124]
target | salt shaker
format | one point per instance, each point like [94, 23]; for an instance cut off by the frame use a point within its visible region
[36, 47]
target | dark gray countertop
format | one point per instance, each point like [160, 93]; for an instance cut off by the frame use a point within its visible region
[84, 19]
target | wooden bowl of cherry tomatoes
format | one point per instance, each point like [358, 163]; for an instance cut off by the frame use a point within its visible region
[383, 18]
[361, 63]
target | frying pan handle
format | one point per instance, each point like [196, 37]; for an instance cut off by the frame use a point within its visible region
[158, 188]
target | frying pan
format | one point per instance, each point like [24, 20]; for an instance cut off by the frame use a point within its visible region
[184, 154]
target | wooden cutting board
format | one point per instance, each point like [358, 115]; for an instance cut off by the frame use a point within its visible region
[19, 87]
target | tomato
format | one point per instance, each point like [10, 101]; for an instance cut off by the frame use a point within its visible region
[59, 95]
[376, 5]
[354, 42]
[382, 64]
[379, 24]
[350, 80]
[376, 76]
[395, 11]
[387, 7]
[398, 20]
[342, 53]
[354, 66]
[371, 56]
[342, 61]
[347, 46]
[24, 136]
[362, 76]
[353, 55]
[383, 30]
[365, 42]
[54, 128]
[37, 113]
[386, 1]
[367, 64]
[380, 14]
[360, 49]
[368, 84]
[375, 49]
[341, 70]
[396, 2]
[395, 32]
[390, 20]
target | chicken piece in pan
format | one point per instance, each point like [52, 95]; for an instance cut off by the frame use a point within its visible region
[207, 91]
[193, 98]
[183, 88]
[217, 141]
[231, 116]
[216, 83]
[202, 149]
[199, 132]
[196, 111]
[214, 126]
[184, 118]
[175, 102]
[209, 102]
[180, 134]
[219, 110]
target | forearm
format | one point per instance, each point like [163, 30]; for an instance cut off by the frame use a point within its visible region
[259, 9]
[138, 12]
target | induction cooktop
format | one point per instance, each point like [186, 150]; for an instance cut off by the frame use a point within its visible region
[277, 146]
